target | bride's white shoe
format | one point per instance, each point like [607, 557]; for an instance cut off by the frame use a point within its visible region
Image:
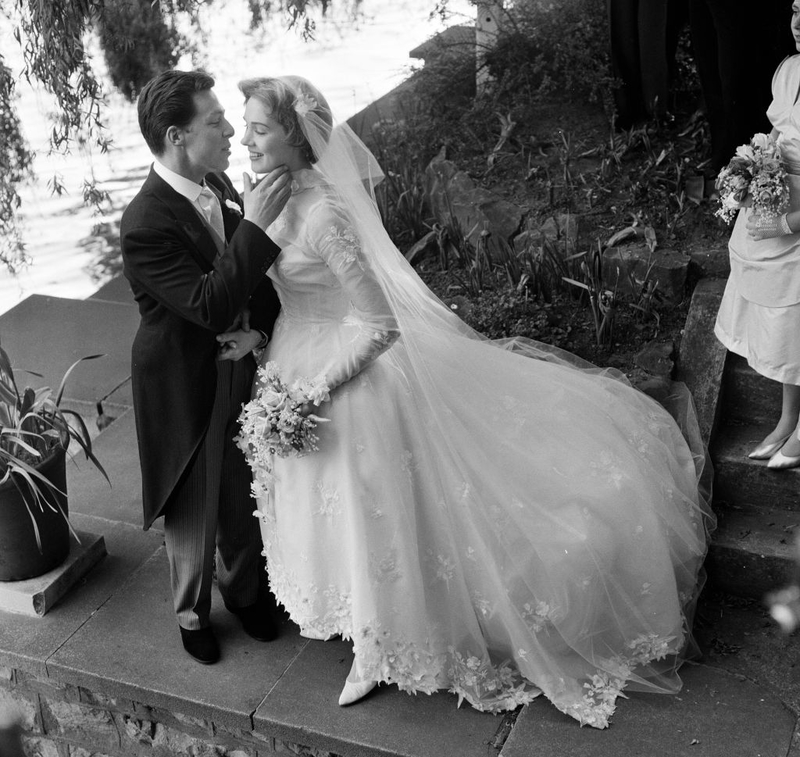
[354, 690]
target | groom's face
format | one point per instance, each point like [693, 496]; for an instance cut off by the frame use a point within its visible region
[207, 138]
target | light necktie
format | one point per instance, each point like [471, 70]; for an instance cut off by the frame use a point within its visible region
[212, 212]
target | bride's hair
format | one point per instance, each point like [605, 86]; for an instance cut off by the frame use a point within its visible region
[287, 99]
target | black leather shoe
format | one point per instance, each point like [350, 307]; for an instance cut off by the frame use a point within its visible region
[201, 644]
[257, 620]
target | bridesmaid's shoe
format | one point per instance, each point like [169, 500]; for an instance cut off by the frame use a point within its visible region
[354, 692]
[766, 451]
[779, 461]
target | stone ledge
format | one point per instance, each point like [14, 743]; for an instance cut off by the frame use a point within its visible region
[36, 596]
[702, 357]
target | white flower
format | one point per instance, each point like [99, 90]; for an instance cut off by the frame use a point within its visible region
[303, 104]
[234, 206]
[761, 141]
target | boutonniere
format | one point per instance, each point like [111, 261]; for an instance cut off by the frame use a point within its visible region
[234, 206]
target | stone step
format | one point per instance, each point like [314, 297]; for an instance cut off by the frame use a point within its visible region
[701, 359]
[117, 451]
[742, 482]
[752, 551]
[47, 334]
[115, 290]
[748, 396]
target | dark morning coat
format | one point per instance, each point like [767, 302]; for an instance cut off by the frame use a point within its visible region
[184, 302]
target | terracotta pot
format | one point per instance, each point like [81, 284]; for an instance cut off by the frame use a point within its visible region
[20, 556]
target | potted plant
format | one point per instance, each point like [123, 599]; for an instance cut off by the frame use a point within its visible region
[35, 433]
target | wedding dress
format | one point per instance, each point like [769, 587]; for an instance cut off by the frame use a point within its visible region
[486, 518]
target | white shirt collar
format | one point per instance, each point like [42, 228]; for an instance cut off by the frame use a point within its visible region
[186, 187]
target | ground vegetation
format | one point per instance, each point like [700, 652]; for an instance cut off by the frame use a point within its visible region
[543, 135]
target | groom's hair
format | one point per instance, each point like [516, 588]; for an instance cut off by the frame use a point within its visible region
[168, 100]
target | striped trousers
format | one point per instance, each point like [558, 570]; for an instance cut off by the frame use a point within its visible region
[212, 512]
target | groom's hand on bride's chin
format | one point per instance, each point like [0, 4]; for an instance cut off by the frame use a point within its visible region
[264, 199]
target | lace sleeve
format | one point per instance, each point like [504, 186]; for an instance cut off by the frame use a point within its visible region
[335, 241]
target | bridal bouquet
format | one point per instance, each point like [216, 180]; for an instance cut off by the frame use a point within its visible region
[755, 170]
[272, 424]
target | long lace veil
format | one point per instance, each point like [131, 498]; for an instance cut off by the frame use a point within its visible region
[352, 172]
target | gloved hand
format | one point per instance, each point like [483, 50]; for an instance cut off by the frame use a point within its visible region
[766, 227]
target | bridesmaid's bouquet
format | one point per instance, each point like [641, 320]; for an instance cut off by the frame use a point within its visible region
[755, 170]
[272, 424]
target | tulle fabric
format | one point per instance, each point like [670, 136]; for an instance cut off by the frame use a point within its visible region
[489, 518]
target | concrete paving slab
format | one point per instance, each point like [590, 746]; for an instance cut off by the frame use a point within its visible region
[131, 649]
[48, 334]
[29, 642]
[303, 709]
[116, 290]
[89, 492]
[37, 596]
[716, 714]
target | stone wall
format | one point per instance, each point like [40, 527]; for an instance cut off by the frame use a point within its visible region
[63, 720]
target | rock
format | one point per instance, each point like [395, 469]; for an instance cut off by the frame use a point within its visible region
[655, 358]
[657, 387]
[714, 262]
[453, 195]
[561, 231]
[562, 228]
[422, 247]
[460, 305]
[627, 268]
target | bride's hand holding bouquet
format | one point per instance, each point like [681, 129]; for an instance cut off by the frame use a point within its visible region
[280, 419]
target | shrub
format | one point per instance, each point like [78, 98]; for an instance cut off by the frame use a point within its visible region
[546, 48]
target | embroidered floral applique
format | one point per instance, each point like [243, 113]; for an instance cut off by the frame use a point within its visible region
[608, 468]
[408, 464]
[445, 568]
[383, 568]
[481, 604]
[347, 248]
[277, 226]
[539, 615]
[640, 443]
[329, 505]
[487, 687]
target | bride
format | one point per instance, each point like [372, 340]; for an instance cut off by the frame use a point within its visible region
[498, 519]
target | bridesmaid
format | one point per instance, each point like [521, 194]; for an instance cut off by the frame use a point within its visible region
[759, 315]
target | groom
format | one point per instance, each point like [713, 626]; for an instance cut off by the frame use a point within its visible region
[195, 255]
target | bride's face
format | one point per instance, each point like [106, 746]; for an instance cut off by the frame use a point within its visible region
[265, 140]
[796, 23]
